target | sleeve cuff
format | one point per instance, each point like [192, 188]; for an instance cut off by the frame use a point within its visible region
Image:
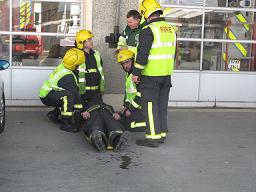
[131, 108]
[126, 104]
[136, 71]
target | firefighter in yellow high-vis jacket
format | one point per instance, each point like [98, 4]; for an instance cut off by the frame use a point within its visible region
[61, 90]
[131, 112]
[152, 71]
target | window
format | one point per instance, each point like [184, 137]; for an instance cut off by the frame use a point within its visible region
[4, 47]
[189, 54]
[40, 31]
[223, 32]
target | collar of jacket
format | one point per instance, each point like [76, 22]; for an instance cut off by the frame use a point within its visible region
[156, 20]
[90, 52]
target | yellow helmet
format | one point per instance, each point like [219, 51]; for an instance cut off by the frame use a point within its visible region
[73, 58]
[82, 36]
[124, 55]
[147, 7]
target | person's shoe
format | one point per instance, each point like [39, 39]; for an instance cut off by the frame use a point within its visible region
[121, 140]
[96, 139]
[161, 141]
[148, 142]
[67, 126]
[54, 115]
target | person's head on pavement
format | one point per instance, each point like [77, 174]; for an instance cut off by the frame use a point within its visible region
[125, 58]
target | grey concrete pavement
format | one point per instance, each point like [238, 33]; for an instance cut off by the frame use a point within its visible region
[206, 151]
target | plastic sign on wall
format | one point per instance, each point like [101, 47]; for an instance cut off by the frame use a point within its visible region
[234, 65]
[239, 3]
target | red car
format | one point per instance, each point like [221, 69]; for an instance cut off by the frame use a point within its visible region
[26, 45]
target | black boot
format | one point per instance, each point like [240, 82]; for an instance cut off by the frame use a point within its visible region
[54, 115]
[148, 142]
[97, 141]
[66, 125]
[161, 141]
[120, 140]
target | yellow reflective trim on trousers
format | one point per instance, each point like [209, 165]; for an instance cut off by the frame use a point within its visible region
[92, 87]
[65, 104]
[240, 47]
[163, 134]
[242, 19]
[158, 136]
[78, 106]
[66, 113]
[151, 119]
[136, 125]
[139, 66]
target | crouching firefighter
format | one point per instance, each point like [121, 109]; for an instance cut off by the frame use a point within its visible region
[131, 114]
[61, 90]
[100, 123]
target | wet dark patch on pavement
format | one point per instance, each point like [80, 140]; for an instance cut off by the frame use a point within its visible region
[126, 161]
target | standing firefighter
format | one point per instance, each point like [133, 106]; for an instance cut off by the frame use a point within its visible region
[129, 38]
[61, 90]
[153, 69]
[131, 113]
[100, 125]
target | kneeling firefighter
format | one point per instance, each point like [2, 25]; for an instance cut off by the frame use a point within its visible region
[131, 113]
[100, 124]
[61, 90]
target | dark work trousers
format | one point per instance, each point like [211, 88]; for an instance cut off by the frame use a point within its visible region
[135, 122]
[103, 121]
[155, 96]
[63, 99]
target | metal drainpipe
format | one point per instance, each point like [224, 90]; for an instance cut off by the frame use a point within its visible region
[116, 27]
[117, 12]
[112, 39]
